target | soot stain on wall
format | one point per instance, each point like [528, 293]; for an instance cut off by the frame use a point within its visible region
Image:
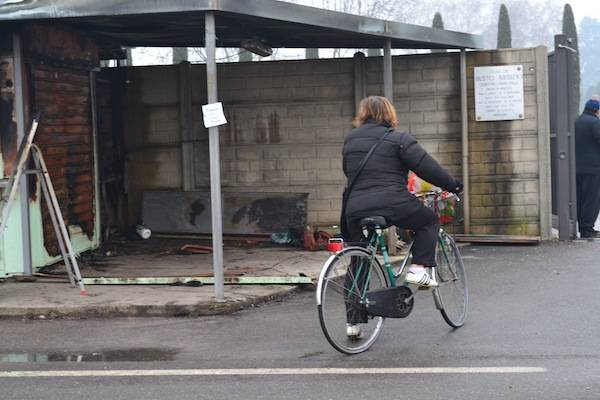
[196, 209]
[8, 126]
[273, 214]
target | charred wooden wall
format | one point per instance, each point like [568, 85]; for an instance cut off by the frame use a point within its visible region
[8, 124]
[111, 156]
[58, 64]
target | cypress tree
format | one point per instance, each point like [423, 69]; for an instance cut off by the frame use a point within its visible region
[569, 29]
[438, 23]
[504, 35]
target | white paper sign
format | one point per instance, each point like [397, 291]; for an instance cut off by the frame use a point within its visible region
[499, 93]
[213, 115]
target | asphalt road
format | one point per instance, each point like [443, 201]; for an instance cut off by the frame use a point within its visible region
[532, 333]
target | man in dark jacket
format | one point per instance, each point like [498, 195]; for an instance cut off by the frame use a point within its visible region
[587, 153]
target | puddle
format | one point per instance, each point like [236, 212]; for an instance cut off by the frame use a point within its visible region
[133, 355]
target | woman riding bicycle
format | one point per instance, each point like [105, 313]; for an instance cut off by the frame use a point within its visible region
[381, 188]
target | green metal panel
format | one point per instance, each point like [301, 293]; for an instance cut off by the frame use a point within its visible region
[204, 280]
[40, 256]
[12, 245]
[2, 267]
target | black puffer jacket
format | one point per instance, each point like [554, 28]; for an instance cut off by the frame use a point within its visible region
[587, 144]
[381, 188]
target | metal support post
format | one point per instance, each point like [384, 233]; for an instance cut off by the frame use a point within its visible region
[566, 203]
[360, 79]
[465, 141]
[388, 92]
[544, 161]
[388, 85]
[573, 104]
[97, 206]
[215, 162]
[23, 187]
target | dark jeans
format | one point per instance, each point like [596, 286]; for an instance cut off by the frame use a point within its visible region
[356, 279]
[424, 223]
[588, 200]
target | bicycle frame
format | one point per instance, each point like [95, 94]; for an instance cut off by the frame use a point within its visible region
[357, 290]
[377, 240]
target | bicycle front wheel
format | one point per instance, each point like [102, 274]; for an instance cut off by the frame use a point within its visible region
[341, 295]
[451, 295]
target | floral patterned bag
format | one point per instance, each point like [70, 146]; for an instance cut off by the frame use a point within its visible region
[442, 202]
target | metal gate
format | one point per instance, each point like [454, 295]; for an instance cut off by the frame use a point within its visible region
[563, 111]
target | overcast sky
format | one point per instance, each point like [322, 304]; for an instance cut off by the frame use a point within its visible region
[585, 8]
[581, 9]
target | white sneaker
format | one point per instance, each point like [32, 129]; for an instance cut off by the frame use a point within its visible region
[420, 277]
[352, 331]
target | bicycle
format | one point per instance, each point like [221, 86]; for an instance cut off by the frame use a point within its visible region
[354, 289]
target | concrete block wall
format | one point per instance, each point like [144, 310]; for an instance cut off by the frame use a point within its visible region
[507, 157]
[287, 121]
[286, 124]
[151, 133]
[427, 99]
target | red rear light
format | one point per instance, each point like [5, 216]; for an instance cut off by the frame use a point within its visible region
[335, 245]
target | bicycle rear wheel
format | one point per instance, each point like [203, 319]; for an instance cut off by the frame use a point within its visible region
[341, 290]
[451, 295]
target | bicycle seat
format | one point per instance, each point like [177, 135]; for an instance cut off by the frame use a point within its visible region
[374, 222]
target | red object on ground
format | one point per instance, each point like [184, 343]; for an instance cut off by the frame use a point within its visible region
[310, 243]
[195, 249]
[314, 241]
[323, 238]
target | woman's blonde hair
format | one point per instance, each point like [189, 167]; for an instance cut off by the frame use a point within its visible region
[378, 109]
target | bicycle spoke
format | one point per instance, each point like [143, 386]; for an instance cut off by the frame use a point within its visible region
[336, 287]
[344, 285]
[451, 295]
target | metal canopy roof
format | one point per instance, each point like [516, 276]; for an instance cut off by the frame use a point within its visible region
[278, 24]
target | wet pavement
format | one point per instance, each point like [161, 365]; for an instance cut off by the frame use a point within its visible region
[51, 296]
[531, 333]
[120, 355]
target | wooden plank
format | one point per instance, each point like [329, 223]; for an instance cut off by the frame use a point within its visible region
[232, 238]
[497, 239]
